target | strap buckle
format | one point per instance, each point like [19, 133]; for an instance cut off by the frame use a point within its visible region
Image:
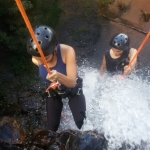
[53, 85]
[78, 92]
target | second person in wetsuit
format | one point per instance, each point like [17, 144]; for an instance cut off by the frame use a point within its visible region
[61, 60]
[116, 60]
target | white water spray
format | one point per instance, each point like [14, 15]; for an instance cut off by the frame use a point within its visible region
[117, 107]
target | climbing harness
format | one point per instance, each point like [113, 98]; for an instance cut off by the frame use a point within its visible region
[67, 92]
[27, 22]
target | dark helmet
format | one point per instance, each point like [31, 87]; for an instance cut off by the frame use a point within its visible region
[47, 39]
[120, 41]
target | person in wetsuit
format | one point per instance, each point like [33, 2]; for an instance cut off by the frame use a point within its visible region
[116, 60]
[61, 60]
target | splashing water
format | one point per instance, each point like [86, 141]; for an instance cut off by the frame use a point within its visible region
[117, 107]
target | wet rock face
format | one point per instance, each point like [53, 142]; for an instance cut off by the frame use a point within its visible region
[54, 141]
[145, 16]
[76, 140]
[64, 140]
[11, 134]
[43, 139]
[10, 131]
[86, 37]
[89, 140]
[12, 137]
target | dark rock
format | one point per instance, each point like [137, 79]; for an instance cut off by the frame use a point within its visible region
[76, 140]
[43, 139]
[86, 36]
[12, 134]
[7, 77]
[64, 140]
[11, 110]
[145, 16]
[88, 140]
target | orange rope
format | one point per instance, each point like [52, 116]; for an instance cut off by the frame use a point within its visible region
[23, 13]
[139, 49]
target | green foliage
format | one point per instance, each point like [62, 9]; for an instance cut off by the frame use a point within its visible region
[47, 12]
[12, 23]
[13, 31]
[13, 34]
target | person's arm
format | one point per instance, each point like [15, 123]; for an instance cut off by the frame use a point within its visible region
[129, 69]
[68, 80]
[103, 66]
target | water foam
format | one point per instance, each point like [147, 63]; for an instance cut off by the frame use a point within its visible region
[117, 107]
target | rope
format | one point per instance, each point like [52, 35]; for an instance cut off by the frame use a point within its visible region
[27, 22]
[139, 49]
[24, 15]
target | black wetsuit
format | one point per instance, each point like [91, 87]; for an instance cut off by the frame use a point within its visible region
[54, 103]
[115, 66]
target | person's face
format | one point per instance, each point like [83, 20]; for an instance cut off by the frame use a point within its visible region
[117, 52]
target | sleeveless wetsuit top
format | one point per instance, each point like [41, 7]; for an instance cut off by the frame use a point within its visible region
[116, 65]
[60, 67]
